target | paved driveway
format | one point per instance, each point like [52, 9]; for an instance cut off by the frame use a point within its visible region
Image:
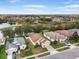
[71, 46]
[70, 54]
[51, 49]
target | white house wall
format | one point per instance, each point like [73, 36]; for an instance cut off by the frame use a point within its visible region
[32, 41]
[47, 43]
[11, 50]
[22, 47]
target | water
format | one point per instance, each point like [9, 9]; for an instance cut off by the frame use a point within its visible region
[5, 25]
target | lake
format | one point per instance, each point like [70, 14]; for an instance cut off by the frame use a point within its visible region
[6, 25]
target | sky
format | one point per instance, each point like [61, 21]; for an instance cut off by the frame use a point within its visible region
[39, 6]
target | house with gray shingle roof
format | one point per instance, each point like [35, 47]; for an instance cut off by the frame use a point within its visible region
[20, 41]
[13, 45]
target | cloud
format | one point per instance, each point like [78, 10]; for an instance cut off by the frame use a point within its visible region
[34, 6]
[69, 8]
[23, 11]
[42, 9]
[34, 9]
[13, 1]
[73, 6]
[31, 9]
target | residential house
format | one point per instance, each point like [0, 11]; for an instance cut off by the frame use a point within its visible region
[44, 42]
[20, 42]
[55, 36]
[10, 48]
[13, 45]
[2, 39]
[37, 38]
[64, 32]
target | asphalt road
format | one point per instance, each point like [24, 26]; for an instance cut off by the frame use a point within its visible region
[70, 54]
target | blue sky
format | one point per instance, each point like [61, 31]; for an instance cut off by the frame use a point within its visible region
[39, 6]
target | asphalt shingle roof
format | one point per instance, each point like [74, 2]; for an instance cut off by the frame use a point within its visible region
[12, 43]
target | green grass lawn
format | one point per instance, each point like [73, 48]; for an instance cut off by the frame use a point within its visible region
[57, 45]
[72, 40]
[31, 58]
[2, 52]
[26, 52]
[77, 44]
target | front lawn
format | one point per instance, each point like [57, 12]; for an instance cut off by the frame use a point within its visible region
[77, 44]
[57, 44]
[73, 40]
[2, 52]
[26, 52]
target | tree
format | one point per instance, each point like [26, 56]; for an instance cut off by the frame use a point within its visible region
[55, 42]
[72, 39]
[37, 45]
[37, 28]
[75, 35]
[9, 32]
[19, 30]
[27, 28]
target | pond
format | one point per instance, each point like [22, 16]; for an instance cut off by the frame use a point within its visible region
[6, 25]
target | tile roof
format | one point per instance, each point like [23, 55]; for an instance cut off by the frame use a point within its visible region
[44, 41]
[50, 34]
[55, 35]
[35, 37]
[64, 32]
